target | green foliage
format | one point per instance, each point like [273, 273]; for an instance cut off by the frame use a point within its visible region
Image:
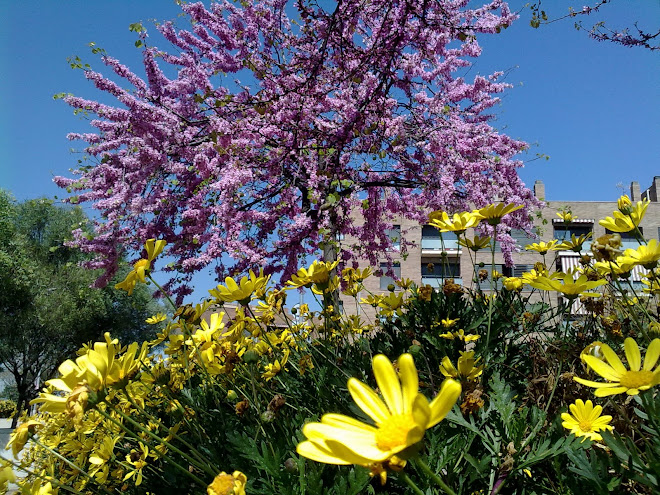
[47, 308]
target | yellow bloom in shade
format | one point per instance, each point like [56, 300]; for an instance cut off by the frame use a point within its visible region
[243, 291]
[448, 323]
[512, 283]
[619, 379]
[20, 435]
[585, 420]
[6, 476]
[138, 460]
[625, 222]
[228, 484]
[476, 244]
[543, 247]
[400, 420]
[645, 255]
[459, 222]
[141, 267]
[467, 368]
[157, 318]
[494, 213]
[593, 349]
[460, 335]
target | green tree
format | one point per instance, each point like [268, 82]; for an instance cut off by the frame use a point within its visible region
[47, 306]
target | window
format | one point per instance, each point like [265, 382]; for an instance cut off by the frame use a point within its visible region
[520, 236]
[394, 234]
[518, 270]
[385, 279]
[628, 239]
[432, 239]
[436, 272]
[563, 232]
[505, 271]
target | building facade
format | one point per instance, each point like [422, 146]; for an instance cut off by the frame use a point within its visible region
[433, 259]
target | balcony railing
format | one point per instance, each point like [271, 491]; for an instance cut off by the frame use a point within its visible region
[435, 244]
[437, 282]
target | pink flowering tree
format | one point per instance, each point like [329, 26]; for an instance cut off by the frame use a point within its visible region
[272, 128]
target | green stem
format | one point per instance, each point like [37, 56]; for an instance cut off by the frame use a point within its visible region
[162, 291]
[41, 476]
[429, 472]
[68, 462]
[406, 479]
[160, 440]
[194, 451]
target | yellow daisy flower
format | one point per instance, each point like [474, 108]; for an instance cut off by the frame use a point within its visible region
[228, 484]
[645, 255]
[20, 435]
[243, 291]
[157, 318]
[494, 213]
[141, 267]
[467, 368]
[613, 268]
[566, 216]
[458, 223]
[586, 421]
[448, 322]
[574, 243]
[593, 349]
[624, 204]
[460, 335]
[512, 283]
[621, 222]
[543, 247]
[400, 421]
[318, 273]
[476, 244]
[619, 379]
[564, 283]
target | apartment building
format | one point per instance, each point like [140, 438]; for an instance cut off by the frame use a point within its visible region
[434, 259]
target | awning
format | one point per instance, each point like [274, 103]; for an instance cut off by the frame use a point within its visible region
[569, 263]
[575, 220]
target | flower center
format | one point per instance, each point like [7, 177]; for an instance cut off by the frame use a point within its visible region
[636, 379]
[142, 264]
[223, 484]
[393, 433]
[585, 425]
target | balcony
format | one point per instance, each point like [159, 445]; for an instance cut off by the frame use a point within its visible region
[435, 245]
[438, 282]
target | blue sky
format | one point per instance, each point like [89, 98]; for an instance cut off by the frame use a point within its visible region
[592, 107]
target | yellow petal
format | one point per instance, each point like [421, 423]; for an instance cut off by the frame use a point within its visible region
[603, 369]
[632, 354]
[410, 380]
[652, 355]
[346, 422]
[604, 391]
[368, 400]
[317, 453]
[388, 383]
[444, 401]
[590, 383]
